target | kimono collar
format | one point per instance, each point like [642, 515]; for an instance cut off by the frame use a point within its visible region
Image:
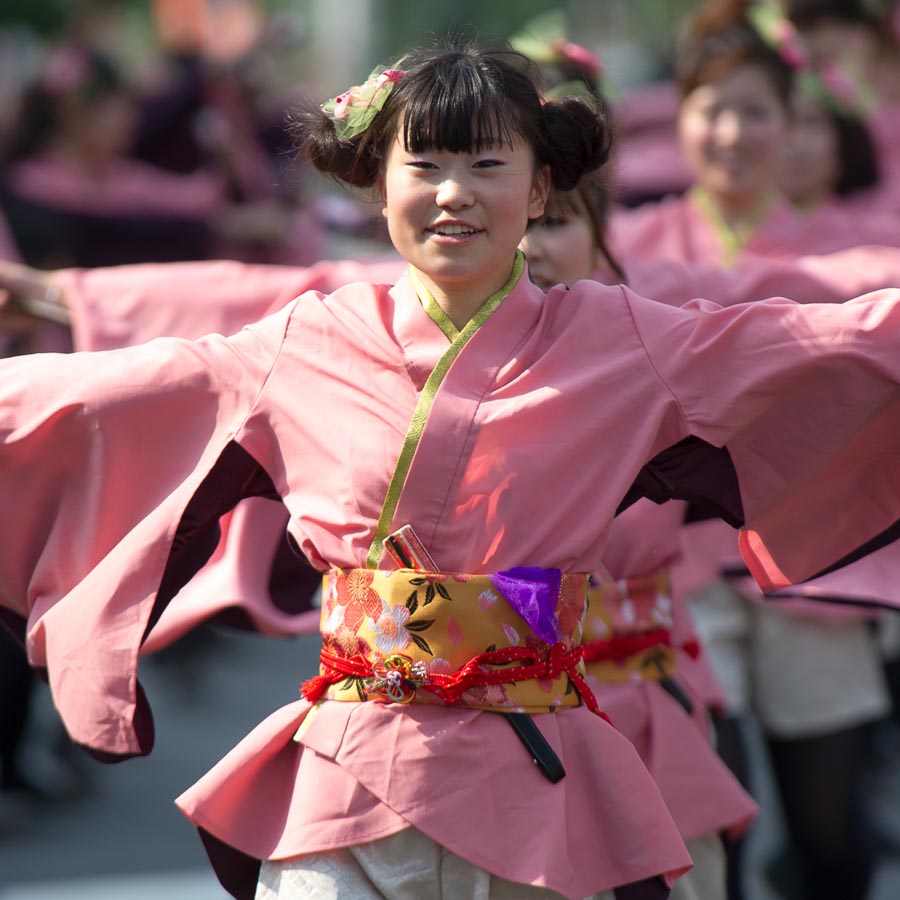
[458, 339]
[442, 320]
[734, 240]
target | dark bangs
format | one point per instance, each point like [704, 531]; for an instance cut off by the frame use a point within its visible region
[462, 108]
[464, 102]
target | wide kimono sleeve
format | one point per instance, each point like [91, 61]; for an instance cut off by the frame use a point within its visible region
[119, 306]
[114, 470]
[805, 401]
[827, 278]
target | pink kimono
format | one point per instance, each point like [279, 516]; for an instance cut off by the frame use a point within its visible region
[554, 398]
[700, 792]
[129, 187]
[252, 577]
[122, 306]
[681, 230]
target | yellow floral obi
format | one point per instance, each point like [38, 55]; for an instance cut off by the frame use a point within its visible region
[508, 642]
[628, 630]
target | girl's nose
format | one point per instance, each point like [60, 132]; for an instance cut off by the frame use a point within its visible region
[729, 127]
[454, 193]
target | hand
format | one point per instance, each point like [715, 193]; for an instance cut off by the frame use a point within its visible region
[29, 296]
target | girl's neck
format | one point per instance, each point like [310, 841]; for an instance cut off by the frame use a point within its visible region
[460, 302]
[740, 212]
[738, 215]
[735, 224]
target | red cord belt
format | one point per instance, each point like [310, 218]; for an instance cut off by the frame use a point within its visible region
[396, 677]
[398, 680]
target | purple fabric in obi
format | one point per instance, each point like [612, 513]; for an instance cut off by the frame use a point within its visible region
[533, 593]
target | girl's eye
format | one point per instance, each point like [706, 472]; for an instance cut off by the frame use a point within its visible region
[488, 163]
[421, 164]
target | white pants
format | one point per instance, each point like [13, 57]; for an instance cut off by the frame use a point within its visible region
[706, 881]
[405, 866]
[801, 677]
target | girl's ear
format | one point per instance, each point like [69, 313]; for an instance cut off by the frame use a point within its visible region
[540, 191]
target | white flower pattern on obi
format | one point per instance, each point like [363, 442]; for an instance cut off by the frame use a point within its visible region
[390, 628]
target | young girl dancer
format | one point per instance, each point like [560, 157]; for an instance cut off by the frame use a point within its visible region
[508, 391]
[657, 687]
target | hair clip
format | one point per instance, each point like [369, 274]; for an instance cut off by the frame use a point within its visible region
[773, 26]
[826, 81]
[543, 41]
[65, 69]
[353, 111]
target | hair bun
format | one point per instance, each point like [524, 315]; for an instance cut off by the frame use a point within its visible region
[580, 139]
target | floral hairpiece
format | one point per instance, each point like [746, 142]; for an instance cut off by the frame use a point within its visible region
[65, 69]
[353, 111]
[567, 51]
[543, 40]
[825, 80]
[773, 26]
[576, 89]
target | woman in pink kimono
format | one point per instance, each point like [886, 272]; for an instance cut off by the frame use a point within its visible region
[861, 42]
[660, 704]
[69, 181]
[733, 122]
[456, 402]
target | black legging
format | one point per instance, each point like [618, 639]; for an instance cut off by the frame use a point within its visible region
[733, 751]
[16, 681]
[819, 780]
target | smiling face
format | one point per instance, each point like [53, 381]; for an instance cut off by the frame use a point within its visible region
[458, 217]
[730, 132]
[561, 248]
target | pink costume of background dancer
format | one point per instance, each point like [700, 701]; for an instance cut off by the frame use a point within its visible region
[733, 123]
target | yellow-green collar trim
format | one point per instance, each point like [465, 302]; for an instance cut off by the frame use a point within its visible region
[432, 307]
[426, 400]
[733, 240]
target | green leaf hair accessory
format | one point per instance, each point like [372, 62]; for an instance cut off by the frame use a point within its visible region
[824, 80]
[353, 111]
[774, 27]
[576, 89]
[544, 41]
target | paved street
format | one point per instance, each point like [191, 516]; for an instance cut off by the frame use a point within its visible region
[124, 840]
[125, 824]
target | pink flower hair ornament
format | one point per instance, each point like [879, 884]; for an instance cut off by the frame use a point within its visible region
[64, 70]
[826, 81]
[836, 89]
[773, 26]
[353, 111]
[587, 60]
[544, 41]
